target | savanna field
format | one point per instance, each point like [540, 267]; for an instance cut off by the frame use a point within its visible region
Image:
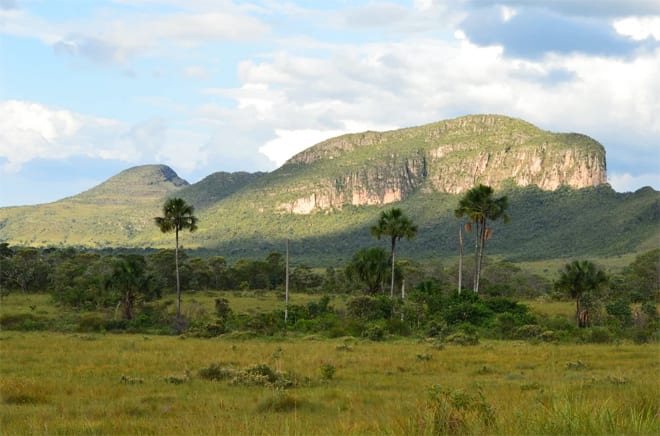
[291, 383]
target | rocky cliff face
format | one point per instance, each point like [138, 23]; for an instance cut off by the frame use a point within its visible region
[450, 156]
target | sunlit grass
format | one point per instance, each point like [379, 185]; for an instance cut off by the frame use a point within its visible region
[100, 384]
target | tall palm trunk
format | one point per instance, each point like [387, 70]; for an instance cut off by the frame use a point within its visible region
[475, 283]
[178, 282]
[392, 285]
[480, 261]
[460, 258]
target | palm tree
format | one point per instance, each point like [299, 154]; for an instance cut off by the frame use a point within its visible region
[577, 279]
[479, 206]
[177, 216]
[396, 225]
[129, 279]
[369, 267]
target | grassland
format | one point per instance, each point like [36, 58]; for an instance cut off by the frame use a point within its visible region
[55, 383]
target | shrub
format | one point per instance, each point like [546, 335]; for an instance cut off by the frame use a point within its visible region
[397, 327]
[280, 401]
[467, 308]
[455, 412]
[462, 338]
[262, 375]
[369, 308]
[222, 309]
[374, 332]
[466, 334]
[327, 371]
[23, 321]
[620, 310]
[529, 331]
[91, 322]
[204, 329]
[598, 335]
[216, 372]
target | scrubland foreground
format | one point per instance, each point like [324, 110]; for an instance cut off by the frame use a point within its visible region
[58, 383]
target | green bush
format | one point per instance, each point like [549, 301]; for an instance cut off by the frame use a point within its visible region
[263, 375]
[466, 335]
[530, 331]
[620, 311]
[23, 322]
[598, 335]
[456, 412]
[327, 371]
[217, 371]
[369, 308]
[374, 332]
[91, 322]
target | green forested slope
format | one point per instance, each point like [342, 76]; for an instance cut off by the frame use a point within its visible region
[341, 184]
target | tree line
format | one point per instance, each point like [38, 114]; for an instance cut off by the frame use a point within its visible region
[94, 280]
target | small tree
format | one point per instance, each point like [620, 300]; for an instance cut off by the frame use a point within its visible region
[177, 216]
[395, 224]
[578, 279]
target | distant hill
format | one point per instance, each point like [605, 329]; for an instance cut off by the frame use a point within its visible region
[216, 187]
[326, 197]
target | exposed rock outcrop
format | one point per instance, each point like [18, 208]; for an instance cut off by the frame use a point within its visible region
[450, 156]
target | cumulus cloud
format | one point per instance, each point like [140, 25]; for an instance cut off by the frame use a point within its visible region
[31, 131]
[117, 37]
[531, 33]
[404, 84]
[625, 182]
[639, 28]
[558, 64]
[583, 8]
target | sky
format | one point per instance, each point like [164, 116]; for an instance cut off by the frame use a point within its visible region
[90, 88]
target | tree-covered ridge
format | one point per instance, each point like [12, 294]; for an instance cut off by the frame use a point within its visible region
[249, 214]
[216, 187]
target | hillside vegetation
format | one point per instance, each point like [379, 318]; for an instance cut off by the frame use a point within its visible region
[325, 198]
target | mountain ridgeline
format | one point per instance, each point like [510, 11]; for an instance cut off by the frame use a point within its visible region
[325, 198]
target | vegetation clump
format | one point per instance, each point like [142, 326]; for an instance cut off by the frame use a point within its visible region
[449, 411]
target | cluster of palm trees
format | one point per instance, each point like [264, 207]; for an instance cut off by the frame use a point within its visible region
[479, 206]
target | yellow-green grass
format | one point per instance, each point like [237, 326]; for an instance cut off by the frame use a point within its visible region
[196, 303]
[193, 304]
[55, 383]
[255, 301]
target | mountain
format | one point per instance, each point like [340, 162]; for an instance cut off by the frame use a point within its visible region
[325, 198]
[216, 187]
[112, 213]
[449, 156]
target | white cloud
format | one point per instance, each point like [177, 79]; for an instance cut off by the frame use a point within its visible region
[625, 182]
[290, 142]
[112, 37]
[639, 28]
[31, 130]
[507, 13]
[303, 98]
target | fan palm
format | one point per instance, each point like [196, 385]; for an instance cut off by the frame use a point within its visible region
[577, 279]
[177, 216]
[479, 206]
[395, 224]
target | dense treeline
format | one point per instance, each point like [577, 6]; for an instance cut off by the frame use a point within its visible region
[125, 291]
